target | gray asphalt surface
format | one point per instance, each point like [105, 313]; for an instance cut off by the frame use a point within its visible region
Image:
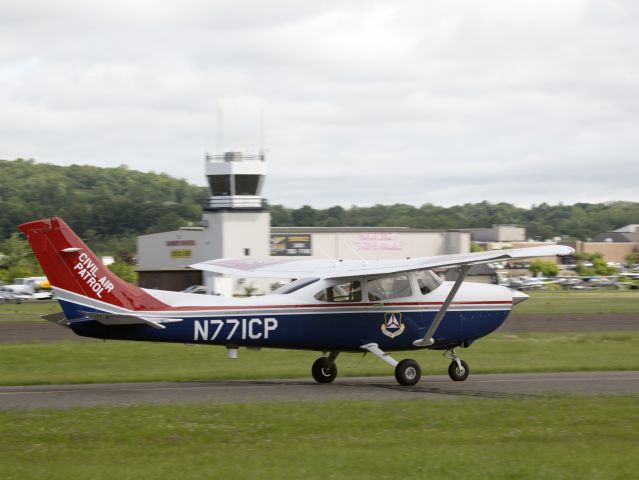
[371, 388]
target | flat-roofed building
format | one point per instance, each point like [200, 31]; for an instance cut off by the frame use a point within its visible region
[497, 233]
[236, 223]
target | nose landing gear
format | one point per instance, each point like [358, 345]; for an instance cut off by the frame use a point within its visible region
[458, 370]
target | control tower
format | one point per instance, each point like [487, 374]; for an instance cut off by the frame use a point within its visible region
[235, 223]
[235, 181]
[236, 216]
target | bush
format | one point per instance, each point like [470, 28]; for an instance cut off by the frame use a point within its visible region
[545, 267]
[125, 271]
[599, 266]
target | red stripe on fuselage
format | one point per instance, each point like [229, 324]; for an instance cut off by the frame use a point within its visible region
[332, 305]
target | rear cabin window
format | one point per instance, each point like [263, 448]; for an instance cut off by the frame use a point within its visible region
[342, 292]
[427, 281]
[396, 286]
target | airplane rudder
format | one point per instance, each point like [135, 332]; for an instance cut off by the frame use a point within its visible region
[66, 261]
[71, 265]
[41, 236]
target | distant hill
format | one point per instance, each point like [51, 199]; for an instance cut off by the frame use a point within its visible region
[109, 207]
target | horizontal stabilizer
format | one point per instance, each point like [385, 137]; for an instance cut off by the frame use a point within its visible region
[58, 319]
[124, 319]
[302, 268]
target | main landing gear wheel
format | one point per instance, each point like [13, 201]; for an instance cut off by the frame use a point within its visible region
[456, 373]
[322, 373]
[408, 372]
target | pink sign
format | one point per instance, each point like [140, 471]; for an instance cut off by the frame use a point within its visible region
[380, 241]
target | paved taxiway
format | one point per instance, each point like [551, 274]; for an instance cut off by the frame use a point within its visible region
[371, 388]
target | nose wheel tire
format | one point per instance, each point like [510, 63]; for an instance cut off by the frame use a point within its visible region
[458, 374]
[322, 373]
[408, 372]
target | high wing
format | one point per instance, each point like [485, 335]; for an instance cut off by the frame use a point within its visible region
[300, 268]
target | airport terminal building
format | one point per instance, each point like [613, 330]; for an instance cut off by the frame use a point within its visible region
[236, 223]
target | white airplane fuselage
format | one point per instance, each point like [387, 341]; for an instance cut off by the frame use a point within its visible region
[298, 320]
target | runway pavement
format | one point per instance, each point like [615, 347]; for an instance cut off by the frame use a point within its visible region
[372, 388]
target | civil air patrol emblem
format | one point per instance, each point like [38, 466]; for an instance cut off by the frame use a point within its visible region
[393, 325]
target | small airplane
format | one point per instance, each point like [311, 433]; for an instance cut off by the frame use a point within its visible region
[331, 306]
[24, 289]
[29, 288]
[530, 283]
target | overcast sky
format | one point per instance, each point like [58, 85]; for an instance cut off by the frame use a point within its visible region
[362, 102]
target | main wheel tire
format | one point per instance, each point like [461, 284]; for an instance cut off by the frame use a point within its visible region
[321, 374]
[457, 374]
[408, 372]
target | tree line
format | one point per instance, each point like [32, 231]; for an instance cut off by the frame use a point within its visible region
[110, 207]
[107, 207]
[581, 221]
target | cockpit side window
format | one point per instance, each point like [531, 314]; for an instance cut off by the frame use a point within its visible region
[350, 291]
[396, 286]
[427, 281]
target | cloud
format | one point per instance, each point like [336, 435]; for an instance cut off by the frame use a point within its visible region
[363, 101]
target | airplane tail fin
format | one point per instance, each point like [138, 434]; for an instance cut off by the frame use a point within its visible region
[72, 268]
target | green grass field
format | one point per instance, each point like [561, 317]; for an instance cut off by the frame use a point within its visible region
[561, 437]
[117, 361]
[543, 438]
[113, 361]
[27, 312]
[584, 302]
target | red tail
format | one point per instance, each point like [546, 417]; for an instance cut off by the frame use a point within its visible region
[70, 265]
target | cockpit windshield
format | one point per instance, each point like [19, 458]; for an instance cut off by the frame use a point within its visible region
[295, 285]
[427, 280]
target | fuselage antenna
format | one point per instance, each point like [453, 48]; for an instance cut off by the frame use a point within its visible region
[357, 253]
[328, 256]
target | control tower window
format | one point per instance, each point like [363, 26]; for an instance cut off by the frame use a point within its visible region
[220, 185]
[246, 184]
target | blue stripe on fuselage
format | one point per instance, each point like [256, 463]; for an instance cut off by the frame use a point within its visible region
[313, 331]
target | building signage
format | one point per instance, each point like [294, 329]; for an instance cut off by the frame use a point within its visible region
[181, 253]
[180, 243]
[291, 245]
[379, 241]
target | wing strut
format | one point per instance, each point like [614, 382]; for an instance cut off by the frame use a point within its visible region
[428, 339]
